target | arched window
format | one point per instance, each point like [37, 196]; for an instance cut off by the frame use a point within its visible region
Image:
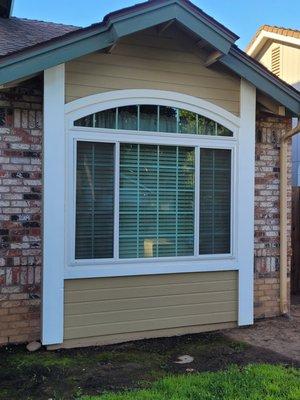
[154, 118]
[153, 181]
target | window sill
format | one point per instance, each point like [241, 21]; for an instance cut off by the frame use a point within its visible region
[150, 267]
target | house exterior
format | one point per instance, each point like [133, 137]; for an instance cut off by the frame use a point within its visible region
[139, 178]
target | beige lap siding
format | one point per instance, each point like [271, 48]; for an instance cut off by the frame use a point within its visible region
[149, 61]
[129, 307]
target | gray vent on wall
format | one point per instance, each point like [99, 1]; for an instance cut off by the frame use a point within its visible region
[275, 61]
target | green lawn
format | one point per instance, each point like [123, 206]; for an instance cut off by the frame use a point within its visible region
[254, 382]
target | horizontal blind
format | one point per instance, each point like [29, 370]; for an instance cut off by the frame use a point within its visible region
[215, 201]
[94, 200]
[156, 201]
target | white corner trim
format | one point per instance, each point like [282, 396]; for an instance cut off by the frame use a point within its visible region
[264, 36]
[246, 168]
[97, 102]
[53, 207]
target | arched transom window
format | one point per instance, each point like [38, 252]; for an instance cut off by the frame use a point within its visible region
[154, 118]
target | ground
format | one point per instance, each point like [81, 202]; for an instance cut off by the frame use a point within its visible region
[70, 374]
[277, 334]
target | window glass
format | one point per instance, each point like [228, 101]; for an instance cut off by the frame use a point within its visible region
[128, 118]
[106, 119]
[94, 200]
[187, 122]
[85, 121]
[148, 118]
[156, 201]
[167, 119]
[215, 201]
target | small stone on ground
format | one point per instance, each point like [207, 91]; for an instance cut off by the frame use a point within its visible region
[33, 346]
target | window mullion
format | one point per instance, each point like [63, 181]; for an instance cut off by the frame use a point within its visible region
[117, 201]
[197, 201]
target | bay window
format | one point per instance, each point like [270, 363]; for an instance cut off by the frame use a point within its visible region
[151, 199]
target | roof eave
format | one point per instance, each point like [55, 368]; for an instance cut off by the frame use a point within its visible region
[100, 36]
[261, 78]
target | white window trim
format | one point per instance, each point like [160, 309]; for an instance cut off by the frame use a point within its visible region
[57, 118]
[112, 267]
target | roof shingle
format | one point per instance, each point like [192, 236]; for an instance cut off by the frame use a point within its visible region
[18, 33]
[275, 29]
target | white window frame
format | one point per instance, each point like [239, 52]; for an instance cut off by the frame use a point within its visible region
[139, 266]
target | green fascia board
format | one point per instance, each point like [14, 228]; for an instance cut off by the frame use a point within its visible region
[50, 57]
[263, 81]
[102, 36]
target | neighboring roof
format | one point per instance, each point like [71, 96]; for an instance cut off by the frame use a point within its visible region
[6, 8]
[18, 33]
[269, 32]
[116, 25]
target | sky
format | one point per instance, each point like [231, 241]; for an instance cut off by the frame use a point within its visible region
[243, 17]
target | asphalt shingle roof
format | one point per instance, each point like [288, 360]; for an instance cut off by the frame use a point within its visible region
[18, 33]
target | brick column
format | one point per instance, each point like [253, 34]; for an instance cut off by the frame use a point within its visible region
[20, 212]
[268, 133]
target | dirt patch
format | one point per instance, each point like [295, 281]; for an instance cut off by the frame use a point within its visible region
[277, 334]
[67, 374]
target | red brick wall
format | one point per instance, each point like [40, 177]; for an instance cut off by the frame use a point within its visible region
[268, 133]
[20, 212]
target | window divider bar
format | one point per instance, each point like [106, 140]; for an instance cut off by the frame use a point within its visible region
[197, 201]
[117, 201]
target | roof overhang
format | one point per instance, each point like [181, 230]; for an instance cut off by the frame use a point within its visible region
[140, 17]
[6, 7]
[114, 27]
[263, 79]
[265, 36]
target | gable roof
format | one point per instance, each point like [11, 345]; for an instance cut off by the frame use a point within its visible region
[76, 43]
[18, 34]
[270, 32]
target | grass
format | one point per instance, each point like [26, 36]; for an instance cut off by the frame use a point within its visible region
[254, 382]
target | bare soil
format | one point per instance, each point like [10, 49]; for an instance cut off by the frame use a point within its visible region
[68, 374]
[281, 335]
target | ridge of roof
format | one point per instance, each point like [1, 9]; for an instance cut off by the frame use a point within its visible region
[290, 32]
[107, 20]
[188, 3]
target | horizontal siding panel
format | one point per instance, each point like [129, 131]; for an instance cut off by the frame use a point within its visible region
[123, 305]
[146, 291]
[149, 313]
[79, 308]
[146, 61]
[147, 280]
[136, 62]
[91, 72]
[117, 82]
[144, 325]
